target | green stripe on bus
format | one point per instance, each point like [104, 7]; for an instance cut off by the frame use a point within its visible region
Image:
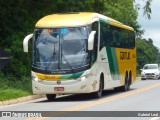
[113, 62]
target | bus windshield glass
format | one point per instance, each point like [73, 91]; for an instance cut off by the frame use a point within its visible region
[60, 49]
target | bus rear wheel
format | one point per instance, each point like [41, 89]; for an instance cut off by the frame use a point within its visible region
[126, 86]
[51, 97]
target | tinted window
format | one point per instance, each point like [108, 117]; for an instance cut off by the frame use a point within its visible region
[95, 48]
[116, 37]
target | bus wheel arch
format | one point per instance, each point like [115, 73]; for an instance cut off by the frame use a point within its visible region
[98, 93]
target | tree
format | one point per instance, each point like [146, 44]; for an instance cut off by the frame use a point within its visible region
[146, 52]
[158, 58]
[146, 8]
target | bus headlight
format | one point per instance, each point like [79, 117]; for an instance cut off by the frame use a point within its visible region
[81, 78]
[34, 77]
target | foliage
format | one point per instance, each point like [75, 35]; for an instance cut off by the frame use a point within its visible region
[146, 52]
[12, 87]
[9, 81]
[146, 8]
[12, 93]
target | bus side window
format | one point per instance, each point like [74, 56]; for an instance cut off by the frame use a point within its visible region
[105, 35]
[102, 35]
[131, 38]
[109, 36]
[116, 40]
[95, 47]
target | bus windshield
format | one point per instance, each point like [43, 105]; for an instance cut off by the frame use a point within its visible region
[60, 49]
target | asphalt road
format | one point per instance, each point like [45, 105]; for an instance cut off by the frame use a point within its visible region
[143, 97]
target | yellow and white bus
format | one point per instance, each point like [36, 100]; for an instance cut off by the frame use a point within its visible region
[82, 52]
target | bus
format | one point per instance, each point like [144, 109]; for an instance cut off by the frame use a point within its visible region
[84, 52]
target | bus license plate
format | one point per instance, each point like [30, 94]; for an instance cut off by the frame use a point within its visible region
[59, 89]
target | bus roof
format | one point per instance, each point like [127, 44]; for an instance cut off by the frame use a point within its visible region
[75, 19]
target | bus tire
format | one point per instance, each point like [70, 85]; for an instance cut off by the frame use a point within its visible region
[51, 97]
[126, 86]
[98, 94]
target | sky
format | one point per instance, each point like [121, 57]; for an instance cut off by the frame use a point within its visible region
[151, 27]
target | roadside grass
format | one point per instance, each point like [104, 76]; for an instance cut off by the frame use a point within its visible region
[138, 74]
[12, 93]
[11, 88]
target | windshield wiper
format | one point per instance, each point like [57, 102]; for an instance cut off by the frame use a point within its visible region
[61, 55]
[51, 58]
[68, 63]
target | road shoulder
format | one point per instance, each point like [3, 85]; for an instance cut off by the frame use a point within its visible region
[20, 100]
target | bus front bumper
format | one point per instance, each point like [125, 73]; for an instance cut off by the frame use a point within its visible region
[61, 87]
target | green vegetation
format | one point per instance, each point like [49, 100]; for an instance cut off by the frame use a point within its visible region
[12, 93]
[146, 52]
[18, 18]
[12, 88]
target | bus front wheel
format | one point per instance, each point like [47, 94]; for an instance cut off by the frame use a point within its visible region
[51, 97]
[98, 94]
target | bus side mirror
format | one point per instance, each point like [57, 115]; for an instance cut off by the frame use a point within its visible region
[91, 40]
[25, 42]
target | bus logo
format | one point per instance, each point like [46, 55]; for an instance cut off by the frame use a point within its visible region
[58, 82]
[125, 55]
